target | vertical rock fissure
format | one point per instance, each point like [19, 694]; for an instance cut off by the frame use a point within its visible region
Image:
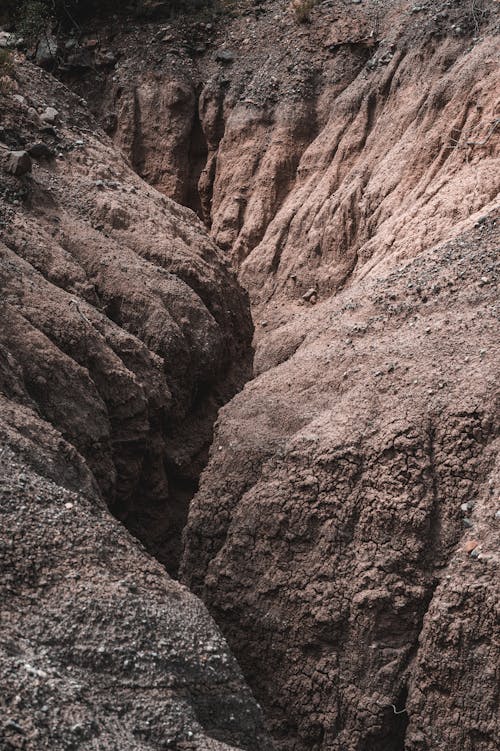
[198, 154]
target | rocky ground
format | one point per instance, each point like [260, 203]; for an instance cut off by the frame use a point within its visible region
[98, 647]
[345, 531]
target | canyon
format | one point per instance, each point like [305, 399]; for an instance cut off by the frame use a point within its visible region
[248, 369]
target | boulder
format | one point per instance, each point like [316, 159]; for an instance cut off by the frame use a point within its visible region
[6, 39]
[46, 51]
[40, 150]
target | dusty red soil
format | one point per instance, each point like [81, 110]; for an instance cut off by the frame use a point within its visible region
[345, 532]
[330, 534]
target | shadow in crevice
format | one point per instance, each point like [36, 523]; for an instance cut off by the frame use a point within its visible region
[395, 725]
[198, 155]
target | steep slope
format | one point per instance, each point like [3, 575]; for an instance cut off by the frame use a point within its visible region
[345, 534]
[121, 332]
[98, 647]
[313, 152]
[129, 328]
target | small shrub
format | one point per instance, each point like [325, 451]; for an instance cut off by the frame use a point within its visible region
[301, 10]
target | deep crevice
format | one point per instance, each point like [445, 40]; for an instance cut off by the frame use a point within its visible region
[198, 155]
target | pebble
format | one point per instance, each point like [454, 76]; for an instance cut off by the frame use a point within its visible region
[311, 292]
[6, 39]
[13, 725]
[49, 115]
[224, 56]
[471, 545]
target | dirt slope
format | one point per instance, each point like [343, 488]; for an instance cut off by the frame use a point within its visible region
[313, 152]
[129, 327]
[98, 647]
[345, 533]
[121, 332]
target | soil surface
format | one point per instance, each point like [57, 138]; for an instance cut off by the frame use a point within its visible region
[122, 330]
[341, 177]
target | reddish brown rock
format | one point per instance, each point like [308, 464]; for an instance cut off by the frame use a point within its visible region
[122, 330]
[129, 327]
[356, 156]
[327, 534]
[470, 545]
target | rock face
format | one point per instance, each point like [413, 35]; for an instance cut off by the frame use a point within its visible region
[99, 648]
[121, 332]
[129, 328]
[345, 531]
[322, 150]
[329, 536]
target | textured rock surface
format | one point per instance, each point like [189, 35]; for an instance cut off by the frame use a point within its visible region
[121, 331]
[329, 533]
[129, 328]
[98, 647]
[345, 535]
[329, 536]
[322, 150]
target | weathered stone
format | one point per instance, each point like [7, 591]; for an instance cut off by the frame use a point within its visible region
[470, 545]
[307, 296]
[6, 39]
[50, 115]
[18, 163]
[46, 51]
[224, 56]
[40, 150]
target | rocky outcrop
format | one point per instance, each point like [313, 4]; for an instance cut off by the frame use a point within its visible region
[343, 535]
[129, 328]
[316, 152]
[344, 532]
[99, 648]
[121, 332]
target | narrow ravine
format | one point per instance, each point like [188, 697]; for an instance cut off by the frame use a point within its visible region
[249, 305]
